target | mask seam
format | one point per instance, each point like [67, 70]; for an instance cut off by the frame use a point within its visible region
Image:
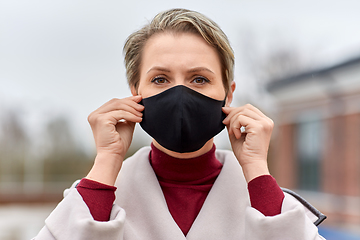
[182, 119]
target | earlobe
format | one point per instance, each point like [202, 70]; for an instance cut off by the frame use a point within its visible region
[230, 94]
[133, 91]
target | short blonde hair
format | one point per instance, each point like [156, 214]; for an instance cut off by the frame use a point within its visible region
[180, 21]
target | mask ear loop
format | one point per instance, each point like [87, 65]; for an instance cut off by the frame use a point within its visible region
[225, 101]
[226, 92]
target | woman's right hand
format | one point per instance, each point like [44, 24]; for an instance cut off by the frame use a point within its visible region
[113, 127]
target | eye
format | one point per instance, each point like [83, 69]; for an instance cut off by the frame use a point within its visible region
[159, 80]
[200, 80]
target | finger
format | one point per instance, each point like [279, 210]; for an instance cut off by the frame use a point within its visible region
[264, 120]
[130, 101]
[226, 121]
[235, 126]
[117, 116]
[136, 99]
[227, 110]
[130, 109]
[119, 104]
[246, 112]
[256, 110]
[241, 110]
[229, 130]
[238, 122]
[136, 106]
[230, 112]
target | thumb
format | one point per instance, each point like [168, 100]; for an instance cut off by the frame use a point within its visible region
[226, 110]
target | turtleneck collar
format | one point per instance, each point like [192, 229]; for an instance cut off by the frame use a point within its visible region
[171, 169]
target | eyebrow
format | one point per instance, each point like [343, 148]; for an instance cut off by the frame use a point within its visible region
[196, 69]
[200, 69]
[156, 68]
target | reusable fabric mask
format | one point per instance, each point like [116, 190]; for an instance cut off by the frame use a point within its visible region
[181, 119]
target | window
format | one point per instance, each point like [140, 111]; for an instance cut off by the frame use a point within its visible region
[309, 142]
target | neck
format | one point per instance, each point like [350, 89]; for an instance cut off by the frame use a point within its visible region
[206, 148]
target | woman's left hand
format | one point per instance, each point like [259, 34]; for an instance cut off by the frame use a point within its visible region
[250, 146]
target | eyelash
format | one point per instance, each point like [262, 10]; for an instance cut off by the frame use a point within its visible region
[193, 80]
[157, 78]
[202, 78]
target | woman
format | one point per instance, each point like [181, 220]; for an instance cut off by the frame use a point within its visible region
[180, 72]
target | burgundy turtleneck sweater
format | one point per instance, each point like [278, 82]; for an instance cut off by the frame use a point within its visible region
[185, 184]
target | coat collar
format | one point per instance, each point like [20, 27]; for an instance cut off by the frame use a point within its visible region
[140, 194]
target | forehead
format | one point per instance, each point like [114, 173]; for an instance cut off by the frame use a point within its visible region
[179, 48]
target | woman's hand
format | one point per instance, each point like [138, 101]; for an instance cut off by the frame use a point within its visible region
[250, 146]
[113, 127]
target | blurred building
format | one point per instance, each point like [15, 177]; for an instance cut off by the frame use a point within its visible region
[316, 149]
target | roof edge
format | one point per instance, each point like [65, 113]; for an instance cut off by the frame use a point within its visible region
[283, 82]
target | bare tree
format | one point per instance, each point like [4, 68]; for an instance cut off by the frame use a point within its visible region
[60, 136]
[66, 161]
[14, 145]
[269, 60]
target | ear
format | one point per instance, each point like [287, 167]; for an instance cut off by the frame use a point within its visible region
[133, 91]
[230, 94]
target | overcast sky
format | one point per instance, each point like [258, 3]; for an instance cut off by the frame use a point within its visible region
[65, 57]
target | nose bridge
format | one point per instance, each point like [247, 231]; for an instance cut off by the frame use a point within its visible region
[180, 79]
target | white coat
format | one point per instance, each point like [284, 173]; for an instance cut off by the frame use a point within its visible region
[140, 211]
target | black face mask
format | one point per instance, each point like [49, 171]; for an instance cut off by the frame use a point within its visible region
[181, 119]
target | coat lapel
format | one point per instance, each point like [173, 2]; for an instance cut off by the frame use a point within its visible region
[140, 194]
[221, 216]
[148, 217]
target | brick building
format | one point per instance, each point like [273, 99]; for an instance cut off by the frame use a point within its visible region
[317, 139]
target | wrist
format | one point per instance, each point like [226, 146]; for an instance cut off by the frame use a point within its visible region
[106, 168]
[254, 170]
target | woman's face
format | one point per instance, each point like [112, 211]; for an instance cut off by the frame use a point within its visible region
[171, 59]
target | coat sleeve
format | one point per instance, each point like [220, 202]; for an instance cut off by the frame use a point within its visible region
[71, 219]
[293, 223]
